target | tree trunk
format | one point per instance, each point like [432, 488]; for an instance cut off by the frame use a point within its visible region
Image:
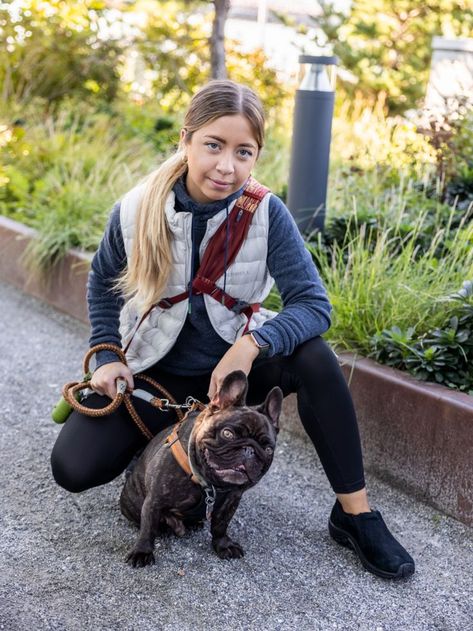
[217, 39]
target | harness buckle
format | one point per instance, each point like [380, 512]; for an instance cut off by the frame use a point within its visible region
[239, 306]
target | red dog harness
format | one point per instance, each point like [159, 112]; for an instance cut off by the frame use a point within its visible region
[212, 266]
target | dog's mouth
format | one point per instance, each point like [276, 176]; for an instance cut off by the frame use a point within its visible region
[235, 474]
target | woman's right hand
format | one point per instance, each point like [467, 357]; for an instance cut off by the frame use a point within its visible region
[104, 379]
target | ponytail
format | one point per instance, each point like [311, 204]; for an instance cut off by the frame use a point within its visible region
[146, 276]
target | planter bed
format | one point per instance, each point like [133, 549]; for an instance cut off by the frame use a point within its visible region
[64, 286]
[416, 435]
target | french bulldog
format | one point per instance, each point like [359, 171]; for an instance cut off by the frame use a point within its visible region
[230, 447]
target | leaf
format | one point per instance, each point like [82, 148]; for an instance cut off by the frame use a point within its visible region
[454, 323]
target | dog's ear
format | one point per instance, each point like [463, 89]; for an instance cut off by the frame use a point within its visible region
[232, 391]
[272, 406]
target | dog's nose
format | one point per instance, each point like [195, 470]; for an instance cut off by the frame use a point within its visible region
[248, 452]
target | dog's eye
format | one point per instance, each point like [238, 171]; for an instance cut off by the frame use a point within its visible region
[227, 433]
[269, 451]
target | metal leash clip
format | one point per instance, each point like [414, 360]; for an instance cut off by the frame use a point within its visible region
[165, 405]
[190, 401]
[210, 495]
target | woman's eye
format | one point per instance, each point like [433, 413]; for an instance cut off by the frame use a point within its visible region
[269, 450]
[227, 433]
[245, 153]
[212, 145]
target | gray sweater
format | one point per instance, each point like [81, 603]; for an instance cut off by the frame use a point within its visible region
[199, 348]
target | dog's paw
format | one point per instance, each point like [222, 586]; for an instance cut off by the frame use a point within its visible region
[140, 558]
[228, 549]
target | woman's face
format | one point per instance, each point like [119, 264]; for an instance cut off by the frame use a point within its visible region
[220, 157]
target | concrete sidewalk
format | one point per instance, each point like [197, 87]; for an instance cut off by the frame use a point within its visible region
[62, 555]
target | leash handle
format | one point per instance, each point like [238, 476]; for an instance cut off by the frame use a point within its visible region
[103, 347]
[71, 393]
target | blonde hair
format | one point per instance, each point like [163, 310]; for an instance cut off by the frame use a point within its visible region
[147, 273]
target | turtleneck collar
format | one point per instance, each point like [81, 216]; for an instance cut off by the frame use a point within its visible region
[187, 204]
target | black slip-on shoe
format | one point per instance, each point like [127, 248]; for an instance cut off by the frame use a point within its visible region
[368, 535]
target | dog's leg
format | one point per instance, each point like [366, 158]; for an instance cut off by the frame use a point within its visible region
[225, 547]
[175, 524]
[142, 552]
[131, 500]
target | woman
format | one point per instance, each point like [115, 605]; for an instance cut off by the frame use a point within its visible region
[188, 335]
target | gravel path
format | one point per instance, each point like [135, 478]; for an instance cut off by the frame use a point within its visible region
[62, 555]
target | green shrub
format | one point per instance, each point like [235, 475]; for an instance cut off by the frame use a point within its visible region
[386, 44]
[365, 139]
[53, 49]
[61, 175]
[146, 121]
[443, 355]
[398, 207]
[382, 280]
[450, 136]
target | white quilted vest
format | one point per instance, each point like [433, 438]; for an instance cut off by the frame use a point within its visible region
[247, 279]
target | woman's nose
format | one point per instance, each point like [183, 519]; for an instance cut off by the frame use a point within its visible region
[225, 163]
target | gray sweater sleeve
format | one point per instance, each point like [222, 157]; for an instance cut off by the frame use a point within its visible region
[104, 304]
[306, 311]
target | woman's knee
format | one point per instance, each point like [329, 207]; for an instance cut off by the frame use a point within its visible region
[68, 474]
[88, 453]
[315, 355]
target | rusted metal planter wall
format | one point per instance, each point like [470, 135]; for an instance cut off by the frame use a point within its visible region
[64, 286]
[418, 436]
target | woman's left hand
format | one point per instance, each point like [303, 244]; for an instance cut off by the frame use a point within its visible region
[239, 357]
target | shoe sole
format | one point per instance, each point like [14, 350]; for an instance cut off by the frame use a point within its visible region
[345, 539]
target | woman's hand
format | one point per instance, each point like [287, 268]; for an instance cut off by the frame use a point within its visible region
[239, 357]
[104, 379]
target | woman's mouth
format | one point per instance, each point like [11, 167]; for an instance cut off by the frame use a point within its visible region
[219, 183]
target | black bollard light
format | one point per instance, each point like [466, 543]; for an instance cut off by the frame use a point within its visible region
[312, 130]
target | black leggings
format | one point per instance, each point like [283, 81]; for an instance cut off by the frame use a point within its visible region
[92, 451]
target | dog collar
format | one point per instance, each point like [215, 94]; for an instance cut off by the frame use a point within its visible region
[182, 458]
[179, 453]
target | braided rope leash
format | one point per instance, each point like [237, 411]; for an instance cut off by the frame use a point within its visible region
[72, 389]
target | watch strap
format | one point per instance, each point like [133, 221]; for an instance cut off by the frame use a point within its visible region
[263, 347]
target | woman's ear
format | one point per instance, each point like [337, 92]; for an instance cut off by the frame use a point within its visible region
[183, 134]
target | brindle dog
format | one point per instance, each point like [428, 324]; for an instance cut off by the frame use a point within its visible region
[230, 447]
